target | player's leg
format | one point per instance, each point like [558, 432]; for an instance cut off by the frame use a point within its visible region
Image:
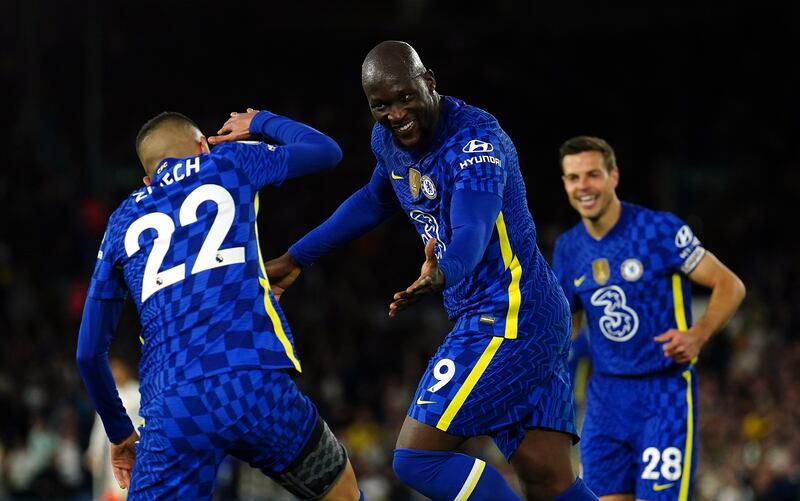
[541, 454]
[424, 460]
[668, 447]
[179, 450]
[282, 435]
[612, 423]
[464, 392]
[543, 463]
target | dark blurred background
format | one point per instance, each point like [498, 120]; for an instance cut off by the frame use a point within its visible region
[699, 101]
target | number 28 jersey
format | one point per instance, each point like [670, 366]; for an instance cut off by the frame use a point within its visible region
[186, 248]
[632, 285]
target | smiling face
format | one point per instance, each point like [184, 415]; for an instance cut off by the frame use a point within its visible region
[407, 106]
[590, 186]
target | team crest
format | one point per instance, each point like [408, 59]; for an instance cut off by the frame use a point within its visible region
[631, 269]
[428, 188]
[414, 182]
[600, 271]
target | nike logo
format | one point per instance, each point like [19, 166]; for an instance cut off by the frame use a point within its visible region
[423, 402]
[661, 487]
[395, 176]
[578, 281]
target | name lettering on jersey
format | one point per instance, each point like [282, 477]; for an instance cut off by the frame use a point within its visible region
[480, 159]
[414, 182]
[631, 269]
[477, 146]
[180, 171]
[428, 188]
[601, 271]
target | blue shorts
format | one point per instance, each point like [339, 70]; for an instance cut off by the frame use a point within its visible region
[258, 416]
[640, 435]
[480, 384]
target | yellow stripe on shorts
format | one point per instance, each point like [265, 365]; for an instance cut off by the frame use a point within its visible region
[463, 392]
[683, 494]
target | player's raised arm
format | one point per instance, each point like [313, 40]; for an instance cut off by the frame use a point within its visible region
[308, 149]
[363, 210]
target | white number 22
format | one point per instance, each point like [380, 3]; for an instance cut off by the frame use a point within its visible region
[210, 255]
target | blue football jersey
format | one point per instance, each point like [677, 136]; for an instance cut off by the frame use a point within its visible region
[186, 248]
[632, 285]
[470, 151]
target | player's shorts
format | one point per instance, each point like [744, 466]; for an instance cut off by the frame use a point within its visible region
[260, 417]
[480, 384]
[640, 435]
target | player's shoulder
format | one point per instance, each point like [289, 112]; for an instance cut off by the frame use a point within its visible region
[645, 216]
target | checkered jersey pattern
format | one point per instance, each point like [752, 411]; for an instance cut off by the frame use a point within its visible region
[628, 283]
[259, 417]
[627, 420]
[470, 151]
[186, 249]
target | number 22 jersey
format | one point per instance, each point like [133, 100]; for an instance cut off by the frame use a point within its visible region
[632, 285]
[186, 248]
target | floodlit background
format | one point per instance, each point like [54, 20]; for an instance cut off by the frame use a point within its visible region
[699, 102]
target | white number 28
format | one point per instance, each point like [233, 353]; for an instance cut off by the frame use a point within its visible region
[670, 458]
[210, 255]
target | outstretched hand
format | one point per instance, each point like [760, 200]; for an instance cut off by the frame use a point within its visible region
[431, 280]
[282, 272]
[236, 128]
[123, 457]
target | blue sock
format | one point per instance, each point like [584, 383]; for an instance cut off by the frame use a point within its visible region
[361, 495]
[577, 492]
[443, 475]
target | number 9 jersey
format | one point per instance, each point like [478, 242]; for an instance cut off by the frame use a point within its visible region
[186, 247]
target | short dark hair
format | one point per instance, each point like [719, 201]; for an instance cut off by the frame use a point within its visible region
[160, 119]
[579, 144]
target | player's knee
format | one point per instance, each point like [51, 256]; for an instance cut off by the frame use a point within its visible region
[404, 467]
[318, 467]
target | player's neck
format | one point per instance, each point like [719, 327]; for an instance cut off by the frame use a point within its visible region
[598, 228]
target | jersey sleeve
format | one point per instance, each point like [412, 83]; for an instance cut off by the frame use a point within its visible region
[680, 248]
[264, 164]
[107, 279]
[477, 161]
[563, 274]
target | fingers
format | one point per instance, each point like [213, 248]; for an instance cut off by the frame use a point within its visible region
[667, 336]
[430, 250]
[122, 476]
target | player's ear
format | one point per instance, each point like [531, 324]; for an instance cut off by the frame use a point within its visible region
[204, 148]
[430, 80]
[614, 174]
[146, 180]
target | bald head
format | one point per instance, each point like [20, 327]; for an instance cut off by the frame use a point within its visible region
[168, 135]
[391, 60]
